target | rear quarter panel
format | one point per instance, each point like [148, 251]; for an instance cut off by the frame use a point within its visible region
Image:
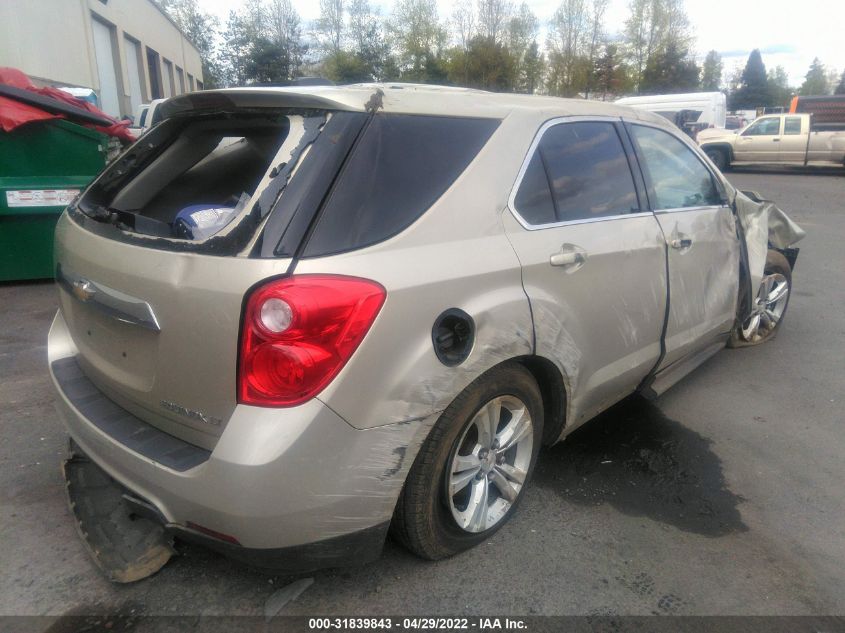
[826, 146]
[455, 256]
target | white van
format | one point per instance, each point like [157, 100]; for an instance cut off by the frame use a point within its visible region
[691, 112]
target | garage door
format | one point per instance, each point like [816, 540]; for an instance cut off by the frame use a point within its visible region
[109, 101]
[132, 68]
[168, 79]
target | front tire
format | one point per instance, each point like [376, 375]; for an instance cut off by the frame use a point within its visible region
[719, 157]
[770, 304]
[472, 470]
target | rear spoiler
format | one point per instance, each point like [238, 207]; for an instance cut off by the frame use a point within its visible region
[232, 99]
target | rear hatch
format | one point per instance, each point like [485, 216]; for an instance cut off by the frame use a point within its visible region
[155, 259]
[159, 334]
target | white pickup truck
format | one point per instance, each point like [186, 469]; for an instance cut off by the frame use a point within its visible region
[780, 139]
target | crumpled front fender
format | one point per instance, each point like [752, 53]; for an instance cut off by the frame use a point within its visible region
[763, 224]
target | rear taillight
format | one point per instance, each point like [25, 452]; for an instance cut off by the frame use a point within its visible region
[298, 333]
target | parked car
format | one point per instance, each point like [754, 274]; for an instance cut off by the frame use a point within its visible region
[293, 319]
[137, 127]
[146, 116]
[786, 139]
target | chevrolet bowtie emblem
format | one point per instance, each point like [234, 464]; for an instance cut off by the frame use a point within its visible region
[83, 289]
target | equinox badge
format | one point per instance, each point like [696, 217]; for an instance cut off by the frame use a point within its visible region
[188, 413]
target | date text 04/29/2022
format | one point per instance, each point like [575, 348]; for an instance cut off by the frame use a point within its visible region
[417, 624]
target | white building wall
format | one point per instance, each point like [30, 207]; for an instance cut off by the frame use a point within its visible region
[37, 37]
[53, 41]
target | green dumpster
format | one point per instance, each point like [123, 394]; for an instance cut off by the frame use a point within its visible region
[43, 165]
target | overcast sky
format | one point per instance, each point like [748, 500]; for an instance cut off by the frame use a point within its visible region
[789, 34]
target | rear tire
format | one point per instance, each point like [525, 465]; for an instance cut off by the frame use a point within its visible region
[771, 302]
[719, 157]
[451, 500]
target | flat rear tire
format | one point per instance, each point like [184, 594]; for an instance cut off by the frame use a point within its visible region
[471, 472]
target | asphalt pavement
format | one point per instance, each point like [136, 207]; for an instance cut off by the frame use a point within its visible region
[725, 496]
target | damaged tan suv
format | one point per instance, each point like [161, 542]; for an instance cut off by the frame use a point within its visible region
[294, 319]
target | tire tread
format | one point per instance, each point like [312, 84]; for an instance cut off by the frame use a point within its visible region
[413, 525]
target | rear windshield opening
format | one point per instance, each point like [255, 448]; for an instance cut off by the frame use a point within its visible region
[192, 179]
[298, 182]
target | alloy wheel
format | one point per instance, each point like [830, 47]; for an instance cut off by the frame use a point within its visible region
[768, 308]
[490, 463]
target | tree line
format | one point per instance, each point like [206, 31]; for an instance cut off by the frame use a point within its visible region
[486, 44]
[753, 86]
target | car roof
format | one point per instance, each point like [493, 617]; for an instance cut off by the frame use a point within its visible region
[404, 98]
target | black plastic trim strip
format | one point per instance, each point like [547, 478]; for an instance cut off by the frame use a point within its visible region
[122, 426]
[296, 208]
[643, 202]
[347, 550]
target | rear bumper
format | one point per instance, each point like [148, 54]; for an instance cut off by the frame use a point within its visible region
[277, 480]
[355, 548]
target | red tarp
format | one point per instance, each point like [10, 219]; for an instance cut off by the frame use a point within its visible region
[13, 113]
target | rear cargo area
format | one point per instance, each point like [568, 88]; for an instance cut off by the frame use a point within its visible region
[152, 309]
[194, 178]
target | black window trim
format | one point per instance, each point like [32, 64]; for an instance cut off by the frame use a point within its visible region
[616, 121]
[694, 149]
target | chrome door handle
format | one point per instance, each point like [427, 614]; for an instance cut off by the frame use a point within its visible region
[565, 259]
[681, 243]
[775, 140]
[570, 257]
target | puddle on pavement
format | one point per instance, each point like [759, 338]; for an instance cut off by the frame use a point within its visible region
[643, 464]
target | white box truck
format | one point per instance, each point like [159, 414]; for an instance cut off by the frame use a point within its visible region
[692, 111]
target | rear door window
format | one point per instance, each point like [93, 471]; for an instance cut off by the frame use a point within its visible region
[792, 126]
[401, 165]
[678, 179]
[578, 171]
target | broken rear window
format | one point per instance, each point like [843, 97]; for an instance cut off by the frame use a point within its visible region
[252, 181]
[191, 180]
